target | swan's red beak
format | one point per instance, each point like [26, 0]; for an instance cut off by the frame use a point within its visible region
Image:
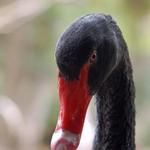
[74, 99]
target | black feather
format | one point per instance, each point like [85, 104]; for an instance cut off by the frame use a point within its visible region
[110, 77]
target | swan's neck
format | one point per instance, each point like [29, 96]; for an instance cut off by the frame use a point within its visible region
[116, 112]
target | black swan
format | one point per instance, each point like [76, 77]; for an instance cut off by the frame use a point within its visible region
[93, 59]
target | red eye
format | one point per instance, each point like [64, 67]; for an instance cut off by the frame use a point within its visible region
[93, 57]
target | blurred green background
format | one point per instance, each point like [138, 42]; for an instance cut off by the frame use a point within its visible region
[28, 74]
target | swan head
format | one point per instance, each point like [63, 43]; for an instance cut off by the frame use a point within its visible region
[86, 54]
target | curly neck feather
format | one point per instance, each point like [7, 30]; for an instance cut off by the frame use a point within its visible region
[116, 110]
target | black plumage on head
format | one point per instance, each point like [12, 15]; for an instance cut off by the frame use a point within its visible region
[109, 77]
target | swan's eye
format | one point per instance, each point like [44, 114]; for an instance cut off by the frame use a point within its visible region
[93, 57]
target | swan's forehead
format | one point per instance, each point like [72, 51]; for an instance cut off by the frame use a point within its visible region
[77, 43]
[70, 65]
[84, 30]
[72, 53]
